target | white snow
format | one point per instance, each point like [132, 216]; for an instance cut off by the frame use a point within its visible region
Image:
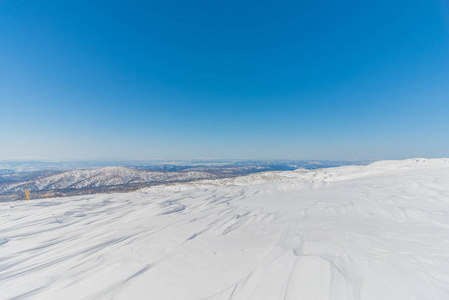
[356, 232]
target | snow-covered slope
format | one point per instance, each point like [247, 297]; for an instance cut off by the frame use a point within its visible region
[103, 177]
[367, 232]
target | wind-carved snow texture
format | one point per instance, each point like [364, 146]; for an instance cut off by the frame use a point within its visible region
[367, 232]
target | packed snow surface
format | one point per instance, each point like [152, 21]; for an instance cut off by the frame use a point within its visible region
[356, 232]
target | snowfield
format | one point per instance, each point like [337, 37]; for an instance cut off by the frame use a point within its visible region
[356, 232]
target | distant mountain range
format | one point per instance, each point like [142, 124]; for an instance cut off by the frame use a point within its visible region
[14, 181]
[100, 179]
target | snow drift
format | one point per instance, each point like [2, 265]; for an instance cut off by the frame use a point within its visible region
[356, 232]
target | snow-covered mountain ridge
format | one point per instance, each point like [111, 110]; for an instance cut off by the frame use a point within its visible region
[365, 233]
[59, 182]
[108, 176]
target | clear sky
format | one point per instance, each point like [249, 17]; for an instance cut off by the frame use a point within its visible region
[349, 79]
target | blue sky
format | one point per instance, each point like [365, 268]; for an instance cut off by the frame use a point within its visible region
[224, 79]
